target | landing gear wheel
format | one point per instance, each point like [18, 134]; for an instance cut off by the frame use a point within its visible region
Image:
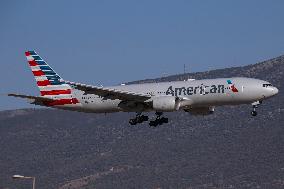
[253, 113]
[153, 123]
[144, 118]
[164, 120]
[159, 120]
[138, 119]
[254, 107]
[132, 122]
[141, 119]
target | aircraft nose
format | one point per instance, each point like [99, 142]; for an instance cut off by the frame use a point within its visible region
[271, 91]
[275, 91]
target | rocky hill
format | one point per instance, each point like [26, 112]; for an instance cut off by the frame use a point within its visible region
[228, 149]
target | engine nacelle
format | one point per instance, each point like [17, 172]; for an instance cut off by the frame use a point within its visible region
[165, 104]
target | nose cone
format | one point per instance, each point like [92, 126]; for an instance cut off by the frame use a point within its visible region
[270, 92]
[275, 91]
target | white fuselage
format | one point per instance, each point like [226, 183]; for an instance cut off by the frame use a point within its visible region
[201, 93]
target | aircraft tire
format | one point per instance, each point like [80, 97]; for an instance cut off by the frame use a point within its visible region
[254, 113]
[144, 118]
[153, 123]
[164, 120]
[132, 122]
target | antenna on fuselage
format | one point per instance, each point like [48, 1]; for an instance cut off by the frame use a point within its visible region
[186, 72]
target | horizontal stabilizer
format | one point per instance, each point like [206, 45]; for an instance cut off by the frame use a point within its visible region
[31, 97]
[44, 101]
[37, 100]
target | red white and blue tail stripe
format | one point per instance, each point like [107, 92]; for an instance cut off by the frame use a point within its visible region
[50, 84]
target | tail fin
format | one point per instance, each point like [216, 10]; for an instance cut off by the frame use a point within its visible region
[48, 81]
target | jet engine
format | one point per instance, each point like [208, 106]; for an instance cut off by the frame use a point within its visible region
[166, 103]
[200, 110]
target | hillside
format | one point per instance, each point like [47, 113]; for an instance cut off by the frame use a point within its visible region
[229, 149]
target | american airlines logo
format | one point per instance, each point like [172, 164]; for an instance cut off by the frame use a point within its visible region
[232, 86]
[202, 90]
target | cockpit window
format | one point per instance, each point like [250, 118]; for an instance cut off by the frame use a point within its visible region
[266, 85]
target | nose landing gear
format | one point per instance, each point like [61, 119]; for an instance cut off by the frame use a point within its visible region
[254, 106]
[254, 112]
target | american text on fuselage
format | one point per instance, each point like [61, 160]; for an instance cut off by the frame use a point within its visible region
[202, 90]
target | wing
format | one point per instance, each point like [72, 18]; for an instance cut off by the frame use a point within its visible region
[110, 93]
[34, 99]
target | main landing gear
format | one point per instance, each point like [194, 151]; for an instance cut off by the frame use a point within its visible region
[142, 118]
[159, 120]
[138, 119]
[254, 106]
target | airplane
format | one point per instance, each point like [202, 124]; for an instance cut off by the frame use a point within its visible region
[198, 97]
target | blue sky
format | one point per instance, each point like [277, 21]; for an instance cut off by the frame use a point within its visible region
[111, 42]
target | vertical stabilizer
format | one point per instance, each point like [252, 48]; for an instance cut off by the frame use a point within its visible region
[50, 84]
